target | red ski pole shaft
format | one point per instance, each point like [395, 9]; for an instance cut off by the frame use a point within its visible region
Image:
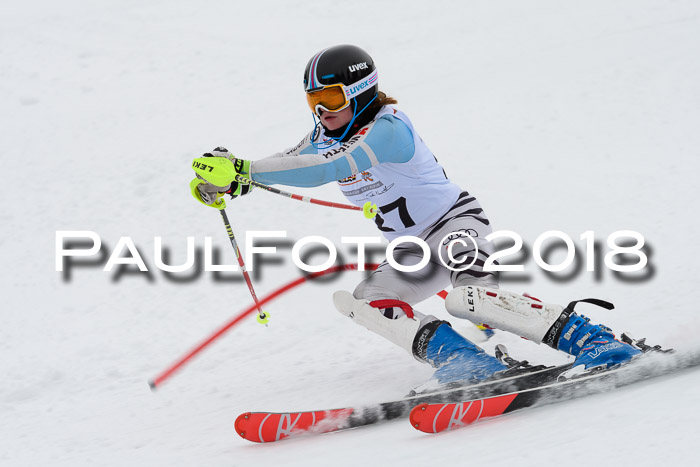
[305, 199]
[229, 230]
[176, 366]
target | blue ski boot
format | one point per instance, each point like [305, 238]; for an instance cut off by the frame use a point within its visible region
[455, 358]
[594, 346]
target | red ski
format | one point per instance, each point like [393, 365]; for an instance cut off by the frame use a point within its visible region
[434, 418]
[437, 417]
[264, 427]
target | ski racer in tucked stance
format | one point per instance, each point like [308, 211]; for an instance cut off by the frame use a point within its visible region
[371, 150]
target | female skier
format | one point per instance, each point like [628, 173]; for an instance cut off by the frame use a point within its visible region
[371, 150]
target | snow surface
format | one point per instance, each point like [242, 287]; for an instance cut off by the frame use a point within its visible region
[563, 115]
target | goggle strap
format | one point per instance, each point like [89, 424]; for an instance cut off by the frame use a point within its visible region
[357, 88]
[355, 114]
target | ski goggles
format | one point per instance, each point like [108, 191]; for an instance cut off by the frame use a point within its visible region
[336, 97]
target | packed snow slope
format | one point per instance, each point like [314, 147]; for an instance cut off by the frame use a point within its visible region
[558, 115]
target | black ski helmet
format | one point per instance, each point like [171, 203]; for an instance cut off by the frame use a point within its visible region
[345, 64]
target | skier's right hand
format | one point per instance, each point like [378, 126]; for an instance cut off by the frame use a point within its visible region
[208, 194]
[220, 168]
[216, 176]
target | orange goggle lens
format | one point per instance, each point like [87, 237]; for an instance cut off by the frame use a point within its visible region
[331, 98]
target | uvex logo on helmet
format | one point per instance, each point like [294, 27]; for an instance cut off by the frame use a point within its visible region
[358, 66]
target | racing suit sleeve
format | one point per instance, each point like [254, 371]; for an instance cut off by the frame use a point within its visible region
[387, 139]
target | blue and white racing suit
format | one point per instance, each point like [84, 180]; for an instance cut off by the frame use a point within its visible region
[386, 162]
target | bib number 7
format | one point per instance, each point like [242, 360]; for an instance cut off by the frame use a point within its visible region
[405, 217]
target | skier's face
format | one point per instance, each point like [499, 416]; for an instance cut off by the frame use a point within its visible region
[335, 120]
